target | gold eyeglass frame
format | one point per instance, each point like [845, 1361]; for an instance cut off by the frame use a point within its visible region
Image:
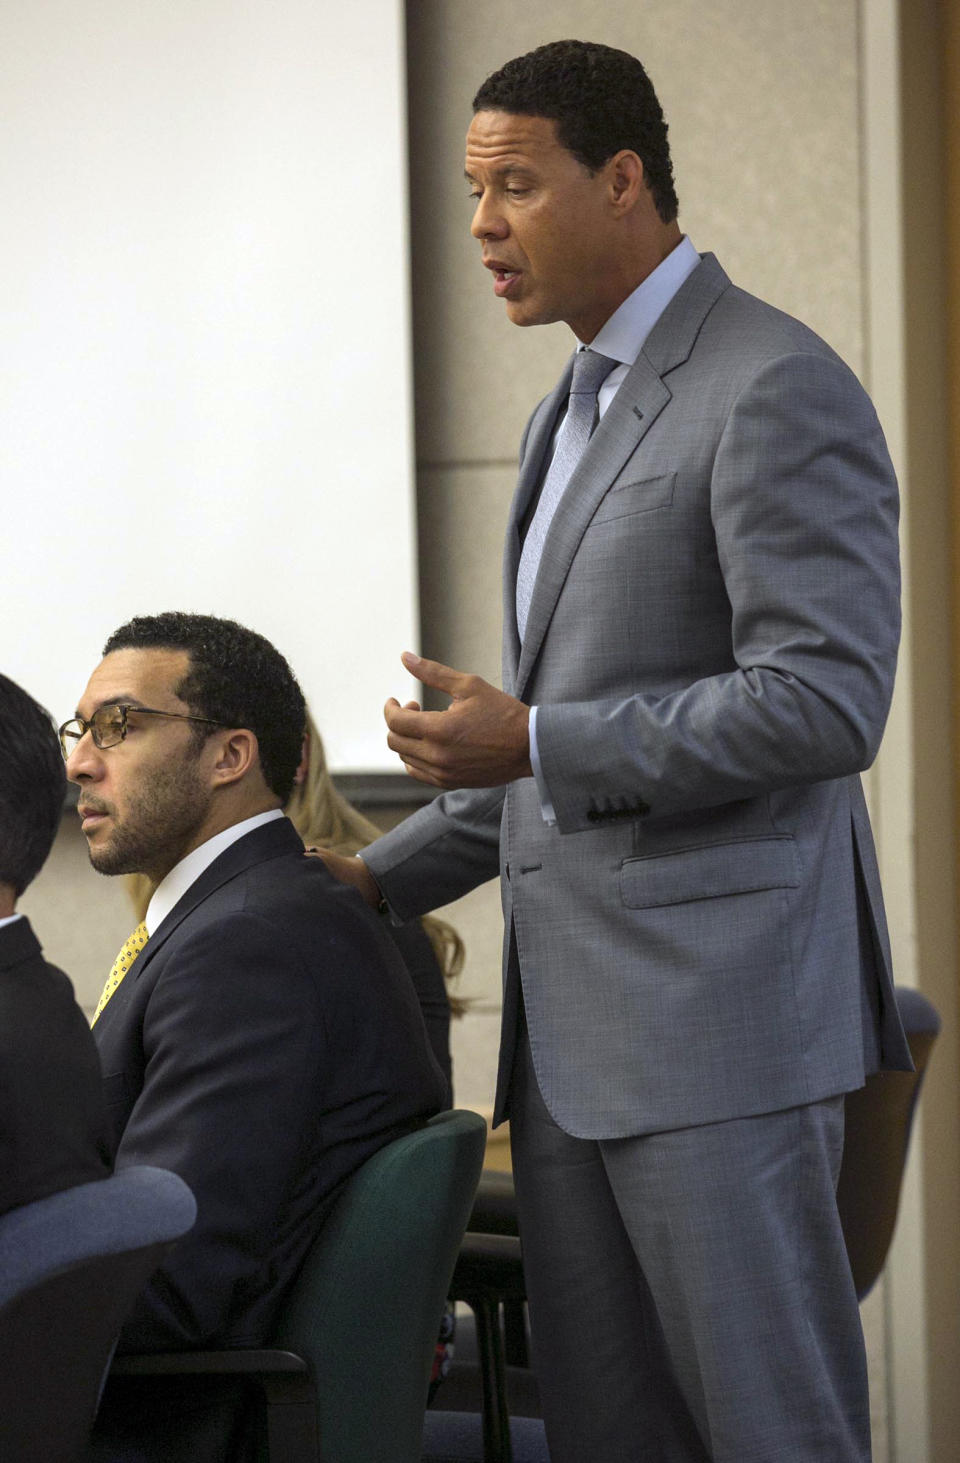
[66, 731]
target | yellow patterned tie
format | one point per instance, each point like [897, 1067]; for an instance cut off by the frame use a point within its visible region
[121, 965]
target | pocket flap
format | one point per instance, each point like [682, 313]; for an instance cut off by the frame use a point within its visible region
[636, 497]
[709, 872]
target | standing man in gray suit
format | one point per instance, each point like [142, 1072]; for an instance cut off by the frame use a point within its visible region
[700, 633]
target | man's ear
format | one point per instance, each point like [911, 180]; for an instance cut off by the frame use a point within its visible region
[237, 752]
[625, 178]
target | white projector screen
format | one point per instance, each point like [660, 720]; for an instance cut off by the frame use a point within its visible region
[205, 397]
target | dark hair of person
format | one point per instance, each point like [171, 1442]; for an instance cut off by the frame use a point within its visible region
[601, 100]
[236, 678]
[32, 786]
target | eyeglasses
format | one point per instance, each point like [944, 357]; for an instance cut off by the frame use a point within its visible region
[108, 725]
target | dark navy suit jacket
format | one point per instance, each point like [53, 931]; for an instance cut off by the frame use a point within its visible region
[266, 1042]
[52, 1126]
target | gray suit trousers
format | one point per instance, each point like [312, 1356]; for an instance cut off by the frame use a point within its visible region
[690, 1294]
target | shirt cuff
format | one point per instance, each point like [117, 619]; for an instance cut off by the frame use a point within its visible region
[546, 802]
[383, 907]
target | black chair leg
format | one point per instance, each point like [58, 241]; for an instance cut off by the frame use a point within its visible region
[496, 1420]
[291, 1420]
[515, 1333]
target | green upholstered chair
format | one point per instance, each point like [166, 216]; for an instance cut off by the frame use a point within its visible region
[879, 1117]
[346, 1380]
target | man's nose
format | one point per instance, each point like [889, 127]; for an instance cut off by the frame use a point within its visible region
[84, 759]
[488, 222]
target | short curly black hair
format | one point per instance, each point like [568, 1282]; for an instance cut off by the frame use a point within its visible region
[236, 678]
[32, 786]
[602, 101]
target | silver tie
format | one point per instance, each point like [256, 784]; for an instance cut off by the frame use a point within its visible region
[589, 371]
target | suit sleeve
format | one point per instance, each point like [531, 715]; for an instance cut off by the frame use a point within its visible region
[440, 853]
[219, 1106]
[803, 504]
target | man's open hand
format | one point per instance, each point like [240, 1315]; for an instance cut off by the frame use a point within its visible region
[350, 871]
[481, 740]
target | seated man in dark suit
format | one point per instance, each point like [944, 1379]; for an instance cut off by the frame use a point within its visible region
[52, 1126]
[258, 1034]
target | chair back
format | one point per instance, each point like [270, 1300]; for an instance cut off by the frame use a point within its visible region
[366, 1306]
[71, 1266]
[879, 1116]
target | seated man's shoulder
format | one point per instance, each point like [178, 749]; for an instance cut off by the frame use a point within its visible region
[52, 1119]
[31, 981]
[290, 915]
[308, 906]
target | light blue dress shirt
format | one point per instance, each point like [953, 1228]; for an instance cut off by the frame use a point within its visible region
[622, 339]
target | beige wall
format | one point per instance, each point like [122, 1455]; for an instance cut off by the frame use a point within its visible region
[931, 94]
[907, 288]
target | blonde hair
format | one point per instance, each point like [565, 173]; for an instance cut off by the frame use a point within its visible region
[325, 819]
[321, 815]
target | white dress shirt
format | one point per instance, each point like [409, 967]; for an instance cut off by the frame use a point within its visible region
[172, 889]
[8, 919]
[622, 338]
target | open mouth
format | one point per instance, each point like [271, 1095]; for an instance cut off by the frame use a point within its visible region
[503, 279]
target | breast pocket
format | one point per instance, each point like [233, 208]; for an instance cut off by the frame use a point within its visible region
[643, 496]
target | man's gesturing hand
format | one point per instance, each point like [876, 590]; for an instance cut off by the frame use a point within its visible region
[481, 740]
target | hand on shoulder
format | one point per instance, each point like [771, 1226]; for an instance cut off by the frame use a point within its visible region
[351, 871]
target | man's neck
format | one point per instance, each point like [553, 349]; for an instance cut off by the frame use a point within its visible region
[218, 820]
[188, 869]
[8, 901]
[639, 259]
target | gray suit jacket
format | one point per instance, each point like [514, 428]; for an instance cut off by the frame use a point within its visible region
[711, 645]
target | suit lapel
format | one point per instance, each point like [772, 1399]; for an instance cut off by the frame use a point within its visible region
[629, 417]
[672, 339]
[268, 841]
[634, 409]
[536, 444]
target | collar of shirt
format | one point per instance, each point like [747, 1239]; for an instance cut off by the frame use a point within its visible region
[8, 919]
[622, 337]
[172, 889]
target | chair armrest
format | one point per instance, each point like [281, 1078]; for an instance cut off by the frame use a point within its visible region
[285, 1378]
[211, 1363]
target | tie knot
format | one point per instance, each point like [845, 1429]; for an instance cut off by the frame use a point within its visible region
[589, 370]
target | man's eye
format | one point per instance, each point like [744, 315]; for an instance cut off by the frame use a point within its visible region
[108, 725]
[518, 192]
